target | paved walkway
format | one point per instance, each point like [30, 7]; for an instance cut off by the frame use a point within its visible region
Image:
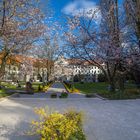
[103, 119]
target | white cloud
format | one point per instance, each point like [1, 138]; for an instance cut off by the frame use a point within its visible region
[78, 7]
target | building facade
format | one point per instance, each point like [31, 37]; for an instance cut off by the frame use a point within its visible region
[23, 68]
[75, 70]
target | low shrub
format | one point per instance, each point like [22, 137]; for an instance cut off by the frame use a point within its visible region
[90, 95]
[70, 88]
[63, 95]
[76, 90]
[40, 88]
[120, 95]
[53, 95]
[46, 86]
[135, 91]
[82, 82]
[57, 126]
[4, 93]
[102, 78]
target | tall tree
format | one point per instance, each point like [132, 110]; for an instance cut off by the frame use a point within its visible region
[48, 50]
[132, 8]
[95, 36]
[20, 26]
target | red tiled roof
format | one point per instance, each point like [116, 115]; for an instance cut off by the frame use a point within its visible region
[20, 59]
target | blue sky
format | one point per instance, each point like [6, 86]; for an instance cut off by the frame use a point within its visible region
[67, 7]
[62, 8]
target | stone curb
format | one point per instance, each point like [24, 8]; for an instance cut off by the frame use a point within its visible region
[7, 97]
[98, 96]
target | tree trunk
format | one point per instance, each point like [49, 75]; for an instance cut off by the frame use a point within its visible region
[137, 78]
[111, 84]
[121, 82]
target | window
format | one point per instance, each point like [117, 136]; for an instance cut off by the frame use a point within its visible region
[14, 68]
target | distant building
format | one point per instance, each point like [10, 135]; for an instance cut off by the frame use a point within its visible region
[23, 68]
[75, 69]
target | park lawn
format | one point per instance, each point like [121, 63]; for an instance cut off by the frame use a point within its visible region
[130, 92]
[3, 93]
[90, 88]
[8, 85]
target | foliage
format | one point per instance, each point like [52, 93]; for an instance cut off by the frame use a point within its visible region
[130, 92]
[64, 95]
[53, 95]
[88, 88]
[42, 87]
[126, 94]
[3, 93]
[102, 78]
[21, 26]
[57, 126]
[100, 39]
[8, 85]
[45, 88]
[37, 86]
[70, 88]
[90, 95]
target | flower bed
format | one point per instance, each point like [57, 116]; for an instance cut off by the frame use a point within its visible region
[45, 87]
[70, 88]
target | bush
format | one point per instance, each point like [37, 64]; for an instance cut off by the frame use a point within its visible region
[82, 82]
[46, 86]
[90, 95]
[53, 95]
[132, 92]
[70, 88]
[40, 88]
[64, 95]
[57, 126]
[102, 78]
[120, 95]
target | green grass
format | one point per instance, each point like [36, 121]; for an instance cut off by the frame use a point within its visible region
[130, 92]
[35, 86]
[10, 86]
[90, 88]
[3, 93]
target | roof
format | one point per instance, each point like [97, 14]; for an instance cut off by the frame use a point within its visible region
[21, 59]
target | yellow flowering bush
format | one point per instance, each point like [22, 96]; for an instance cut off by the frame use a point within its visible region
[47, 86]
[70, 88]
[57, 126]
